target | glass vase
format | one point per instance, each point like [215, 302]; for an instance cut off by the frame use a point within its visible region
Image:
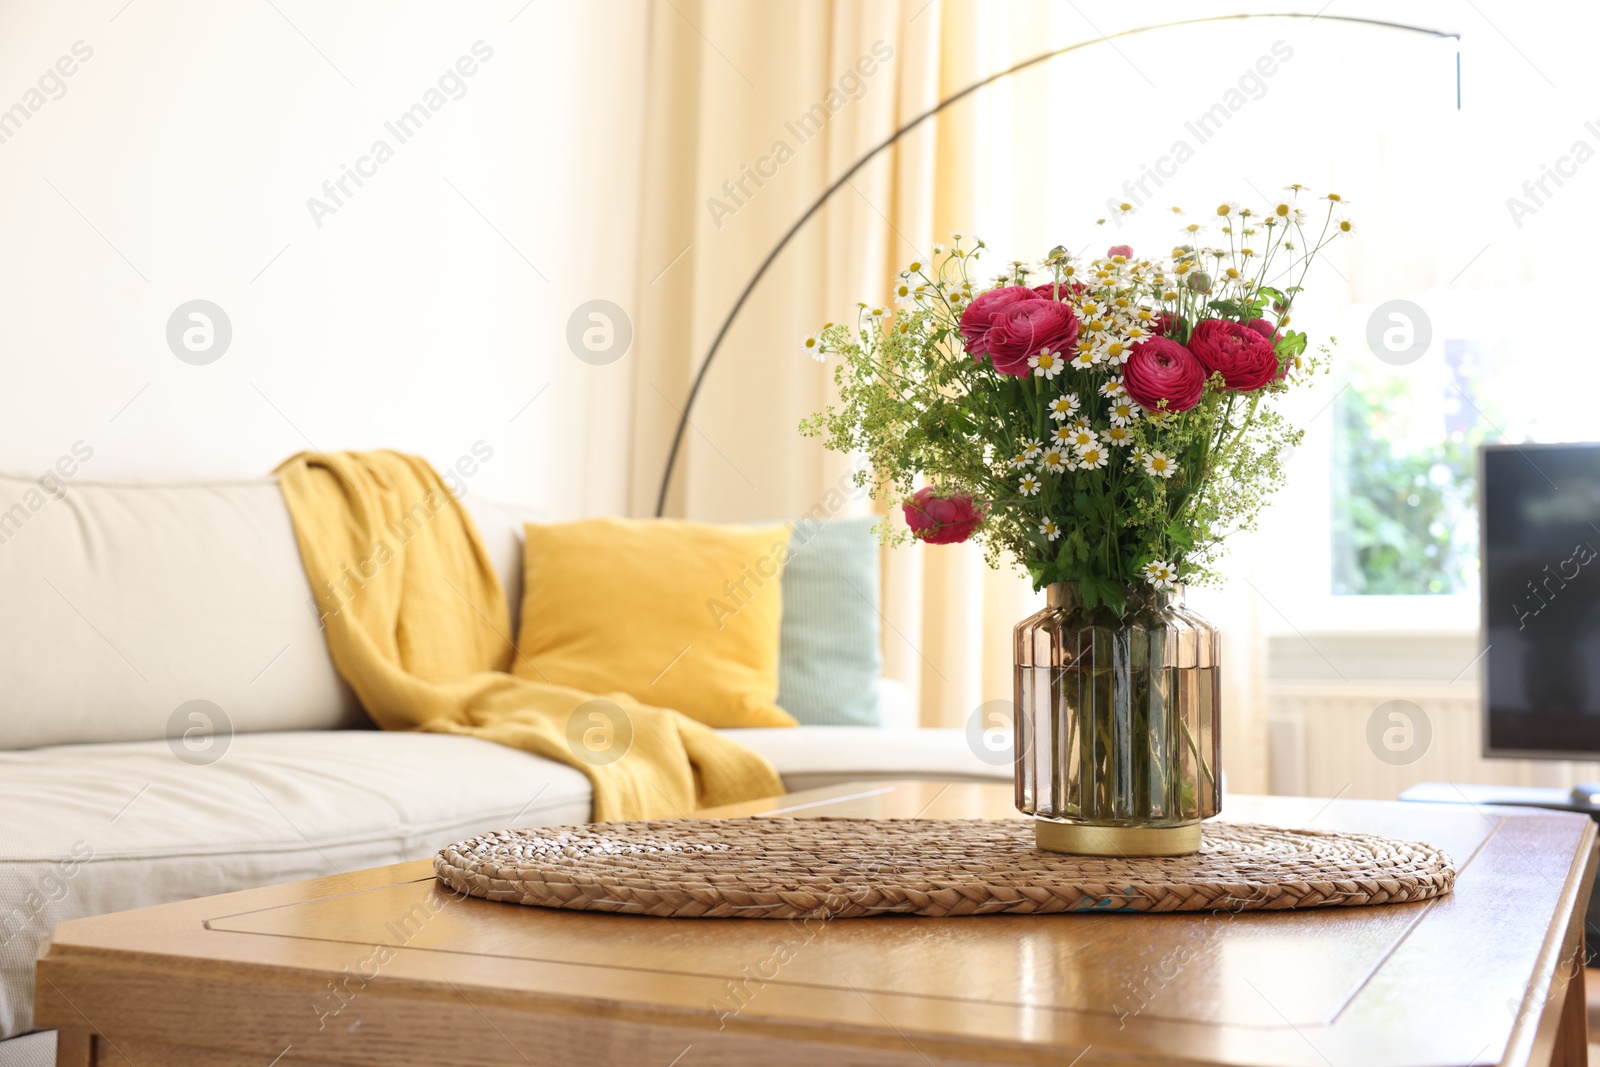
[1117, 743]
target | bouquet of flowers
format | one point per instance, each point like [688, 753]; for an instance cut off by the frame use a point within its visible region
[1104, 422]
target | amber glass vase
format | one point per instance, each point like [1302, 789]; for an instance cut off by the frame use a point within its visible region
[1117, 746]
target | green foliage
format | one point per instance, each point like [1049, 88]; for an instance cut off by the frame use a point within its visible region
[1400, 508]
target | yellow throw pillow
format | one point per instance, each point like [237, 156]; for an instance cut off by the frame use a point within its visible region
[679, 615]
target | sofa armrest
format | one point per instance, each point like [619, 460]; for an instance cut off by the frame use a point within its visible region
[896, 709]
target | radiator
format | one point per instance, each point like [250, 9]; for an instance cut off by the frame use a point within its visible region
[1322, 741]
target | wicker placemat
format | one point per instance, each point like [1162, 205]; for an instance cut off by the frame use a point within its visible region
[782, 868]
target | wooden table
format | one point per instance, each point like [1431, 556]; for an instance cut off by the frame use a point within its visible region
[381, 968]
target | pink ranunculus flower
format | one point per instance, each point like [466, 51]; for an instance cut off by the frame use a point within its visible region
[1025, 328]
[1243, 357]
[1125, 251]
[1265, 329]
[1273, 334]
[1162, 369]
[941, 520]
[980, 314]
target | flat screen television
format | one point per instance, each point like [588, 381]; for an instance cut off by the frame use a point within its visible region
[1539, 555]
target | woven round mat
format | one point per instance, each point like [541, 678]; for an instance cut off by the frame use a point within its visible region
[783, 868]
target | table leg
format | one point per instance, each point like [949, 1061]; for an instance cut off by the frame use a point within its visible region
[1572, 1039]
[74, 1048]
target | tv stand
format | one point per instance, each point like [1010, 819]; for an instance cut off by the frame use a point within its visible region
[1583, 798]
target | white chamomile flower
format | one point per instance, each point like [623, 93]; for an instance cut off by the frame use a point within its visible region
[1135, 334]
[1029, 485]
[1092, 458]
[1113, 388]
[1159, 465]
[1344, 226]
[1019, 461]
[1062, 435]
[1050, 530]
[1081, 422]
[1160, 574]
[1119, 436]
[1064, 407]
[1031, 449]
[812, 346]
[1045, 365]
[1115, 350]
[1083, 437]
[1228, 209]
[1088, 356]
[1055, 460]
[1124, 410]
[905, 292]
[1090, 309]
[877, 314]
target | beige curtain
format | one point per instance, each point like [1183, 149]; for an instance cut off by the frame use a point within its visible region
[752, 110]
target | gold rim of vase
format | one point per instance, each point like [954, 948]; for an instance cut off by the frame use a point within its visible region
[1122, 841]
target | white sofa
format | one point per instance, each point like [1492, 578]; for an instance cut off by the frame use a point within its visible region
[122, 604]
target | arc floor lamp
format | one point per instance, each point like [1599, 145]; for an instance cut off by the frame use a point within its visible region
[1032, 61]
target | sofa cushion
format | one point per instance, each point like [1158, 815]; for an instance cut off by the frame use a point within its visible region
[86, 829]
[828, 655]
[162, 594]
[675, 614]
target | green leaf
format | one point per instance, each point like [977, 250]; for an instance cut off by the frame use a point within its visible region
[1089, 591]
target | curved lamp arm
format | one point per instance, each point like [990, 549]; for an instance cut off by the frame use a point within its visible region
[783, 242]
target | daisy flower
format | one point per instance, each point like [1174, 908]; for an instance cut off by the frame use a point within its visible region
[1158, 465]
[1083, 438]
[1030, 449]
[1344, 226]
[1064, 407]
[1054, 460]
[1092, 458]
[1160, 574]
[1029, 485]
[812, 346]
[1113, 387]
[1124, 410]
[1116, 351]
[1119, 436]
[1050, 530]
[1228, 209]
[1045, 365]
[1081, 422]
[877, 314]
[1019, 461]
[1062, 435]
[1088, 355]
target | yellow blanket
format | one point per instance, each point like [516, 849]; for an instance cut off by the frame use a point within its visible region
[416, 622]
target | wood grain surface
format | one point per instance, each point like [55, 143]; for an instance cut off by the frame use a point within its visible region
[383, 967]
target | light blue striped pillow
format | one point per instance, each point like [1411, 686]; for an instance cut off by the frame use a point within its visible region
[828, 655]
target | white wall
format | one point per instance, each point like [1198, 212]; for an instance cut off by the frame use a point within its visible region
[177, 165]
